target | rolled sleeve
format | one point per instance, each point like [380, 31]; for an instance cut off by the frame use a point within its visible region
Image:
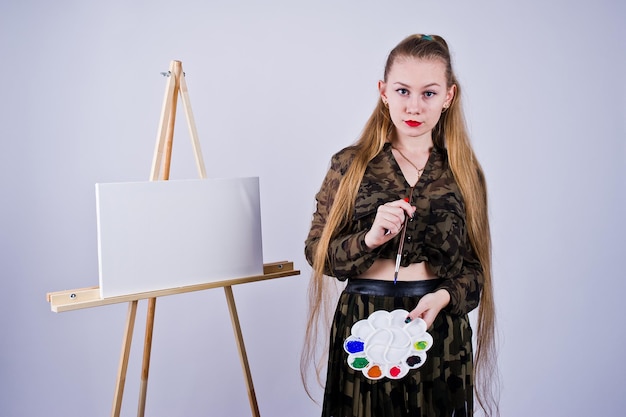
[350, 256]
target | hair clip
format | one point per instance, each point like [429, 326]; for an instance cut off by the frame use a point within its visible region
[427, 37]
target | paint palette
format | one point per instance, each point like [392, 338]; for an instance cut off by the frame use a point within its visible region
[383, 345]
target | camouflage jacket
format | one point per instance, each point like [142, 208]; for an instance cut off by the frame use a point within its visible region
[436, 234]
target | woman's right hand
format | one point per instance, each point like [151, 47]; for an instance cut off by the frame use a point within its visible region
[388, 222]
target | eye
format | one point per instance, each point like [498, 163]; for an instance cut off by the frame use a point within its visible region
[403, 91]
[430, 93]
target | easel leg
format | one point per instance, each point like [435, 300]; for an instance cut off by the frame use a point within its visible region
[163, 148]
[123, 366]
[242, 350]
[168, 116]
[184, 93]
[147, 349]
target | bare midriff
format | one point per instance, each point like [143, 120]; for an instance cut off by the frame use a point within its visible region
[384, 269]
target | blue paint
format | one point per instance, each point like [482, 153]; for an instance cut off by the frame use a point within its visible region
[355, 346]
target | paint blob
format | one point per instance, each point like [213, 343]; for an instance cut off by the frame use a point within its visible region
[421, 345]
[374, 372]
[413, 360]
[354, 346]
[383, 345]
[360, 363]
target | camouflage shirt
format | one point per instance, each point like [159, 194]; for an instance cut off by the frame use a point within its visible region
[435, 235]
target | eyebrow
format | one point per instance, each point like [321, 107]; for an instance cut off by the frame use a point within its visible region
[425, 86]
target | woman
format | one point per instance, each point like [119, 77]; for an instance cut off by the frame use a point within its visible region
[412, 179]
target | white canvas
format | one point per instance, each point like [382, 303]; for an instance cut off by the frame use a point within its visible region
[168, 234]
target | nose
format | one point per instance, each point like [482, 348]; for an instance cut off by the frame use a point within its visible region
[413, 105]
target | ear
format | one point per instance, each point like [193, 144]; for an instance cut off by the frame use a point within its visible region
[382, 86]
[450, 95]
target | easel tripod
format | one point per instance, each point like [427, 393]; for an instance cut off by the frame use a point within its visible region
[90, 297]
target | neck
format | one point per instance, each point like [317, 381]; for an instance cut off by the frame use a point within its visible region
[413, 146]
[419, 144]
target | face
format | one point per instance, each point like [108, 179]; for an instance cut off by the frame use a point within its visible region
[416, 92]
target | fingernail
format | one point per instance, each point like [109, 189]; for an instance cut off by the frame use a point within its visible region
[407, 320]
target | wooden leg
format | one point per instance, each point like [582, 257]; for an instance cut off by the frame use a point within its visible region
[123, 366]
[191, 124]
[147, 349]
[242, 350]
[169, 137]
[166, 113]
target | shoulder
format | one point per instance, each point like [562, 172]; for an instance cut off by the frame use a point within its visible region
[341, 160]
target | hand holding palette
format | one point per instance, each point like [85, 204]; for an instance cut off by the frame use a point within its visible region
[383, 345]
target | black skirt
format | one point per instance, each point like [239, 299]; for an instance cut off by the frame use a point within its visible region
[441, 387]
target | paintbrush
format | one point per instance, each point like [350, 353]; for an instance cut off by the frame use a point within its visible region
[402, 236]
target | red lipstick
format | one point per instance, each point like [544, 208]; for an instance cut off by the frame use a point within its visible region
[412, 123]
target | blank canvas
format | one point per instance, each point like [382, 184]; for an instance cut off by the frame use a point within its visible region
[168, 234]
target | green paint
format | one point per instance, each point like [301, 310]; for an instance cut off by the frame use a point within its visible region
[360, 363]
[421, 345]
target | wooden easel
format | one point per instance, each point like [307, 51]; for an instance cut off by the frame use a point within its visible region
[90, 297]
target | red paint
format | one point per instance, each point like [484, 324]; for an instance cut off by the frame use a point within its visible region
[406, 199]
[394, 372]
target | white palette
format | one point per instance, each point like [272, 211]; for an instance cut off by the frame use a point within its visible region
[384, 345]
[168, 234]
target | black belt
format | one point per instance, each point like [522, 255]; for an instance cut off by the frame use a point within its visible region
[389, 289]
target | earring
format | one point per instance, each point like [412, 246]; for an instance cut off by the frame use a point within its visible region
[386, 103]
[445, 107]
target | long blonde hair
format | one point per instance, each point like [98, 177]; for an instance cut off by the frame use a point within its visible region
[450, 133]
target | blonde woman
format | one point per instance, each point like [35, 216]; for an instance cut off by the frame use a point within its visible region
[411, 181]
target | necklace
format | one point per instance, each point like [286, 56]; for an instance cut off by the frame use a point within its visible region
[419, 170]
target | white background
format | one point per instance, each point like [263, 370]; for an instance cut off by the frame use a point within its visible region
[276, 87]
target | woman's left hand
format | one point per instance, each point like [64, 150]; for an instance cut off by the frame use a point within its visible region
[429, 306]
